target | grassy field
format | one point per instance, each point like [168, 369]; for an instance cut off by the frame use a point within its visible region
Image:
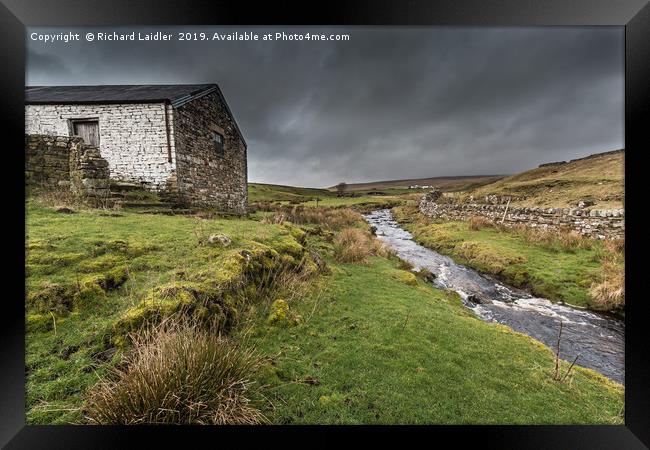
[258, 192]
[378, 347]
[86, 272]
[366, 343]
[271, 193]
[598, 178]
[547, 268]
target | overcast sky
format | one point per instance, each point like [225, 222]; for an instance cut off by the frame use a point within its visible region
[390, 103]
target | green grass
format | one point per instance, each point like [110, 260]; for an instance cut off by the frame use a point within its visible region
[272, 193]
[549, 271]
[259, 192]
[371, 345]
[67, 352]
[373, 348]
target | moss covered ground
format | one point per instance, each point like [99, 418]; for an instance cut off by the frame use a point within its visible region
[92, 276]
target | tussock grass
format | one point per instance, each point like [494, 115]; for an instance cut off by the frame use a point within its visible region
[178, 373]
[478, 222]
[354, 245]
[609, 292]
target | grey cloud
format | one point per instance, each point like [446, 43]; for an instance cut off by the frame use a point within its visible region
[391, 102]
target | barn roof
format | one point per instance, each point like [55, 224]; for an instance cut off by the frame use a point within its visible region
[176, 94]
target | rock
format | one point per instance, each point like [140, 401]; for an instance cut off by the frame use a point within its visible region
[426, 275]
[433, 195]
[219, 239]
[478, 300]
[585, 203]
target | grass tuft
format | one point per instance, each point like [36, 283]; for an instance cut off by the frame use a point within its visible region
[478, 222]
[353, 245]
[178, 373]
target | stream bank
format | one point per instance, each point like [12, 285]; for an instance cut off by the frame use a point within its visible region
[597, 340]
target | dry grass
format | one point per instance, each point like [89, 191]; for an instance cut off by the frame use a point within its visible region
[478, 222]
[334, 218]
[63, 197]
[599, 177]
[564, 238]
[609, 293]
[356, 245]
[178, 373]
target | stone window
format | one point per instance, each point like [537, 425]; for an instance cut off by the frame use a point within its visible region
[218, 142]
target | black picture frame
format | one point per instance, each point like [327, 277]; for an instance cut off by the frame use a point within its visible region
[634, 15]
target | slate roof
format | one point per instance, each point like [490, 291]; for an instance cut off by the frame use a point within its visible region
[176, 94]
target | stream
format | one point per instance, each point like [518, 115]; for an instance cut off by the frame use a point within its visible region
[597, 340]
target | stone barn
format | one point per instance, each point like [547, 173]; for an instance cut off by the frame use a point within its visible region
[178, 139]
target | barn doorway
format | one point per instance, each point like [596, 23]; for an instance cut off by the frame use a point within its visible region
[88, 130]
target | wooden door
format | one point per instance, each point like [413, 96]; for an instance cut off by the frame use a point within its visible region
[88, 130]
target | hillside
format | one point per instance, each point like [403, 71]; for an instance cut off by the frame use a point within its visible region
[259, 192]
[453, 183]
[598, 178]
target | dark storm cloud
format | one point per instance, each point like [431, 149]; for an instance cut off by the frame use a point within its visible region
[391, 102]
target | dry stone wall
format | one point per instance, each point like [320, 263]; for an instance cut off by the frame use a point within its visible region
[66, 161]
[89, 174]
[132, 137]
[206, 176]
[47, 159]
[599, 224]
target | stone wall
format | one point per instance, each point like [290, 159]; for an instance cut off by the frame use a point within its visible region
[89, 174]
[66, 161]
[132, 137]
[204, 176]
[47, 159]
[599, 224]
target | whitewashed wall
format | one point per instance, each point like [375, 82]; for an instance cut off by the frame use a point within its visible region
[132, 137]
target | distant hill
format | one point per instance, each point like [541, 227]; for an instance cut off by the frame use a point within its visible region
[259, 192]
[598, 177]
[453, 183]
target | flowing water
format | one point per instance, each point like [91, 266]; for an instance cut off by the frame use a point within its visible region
[597, 340]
